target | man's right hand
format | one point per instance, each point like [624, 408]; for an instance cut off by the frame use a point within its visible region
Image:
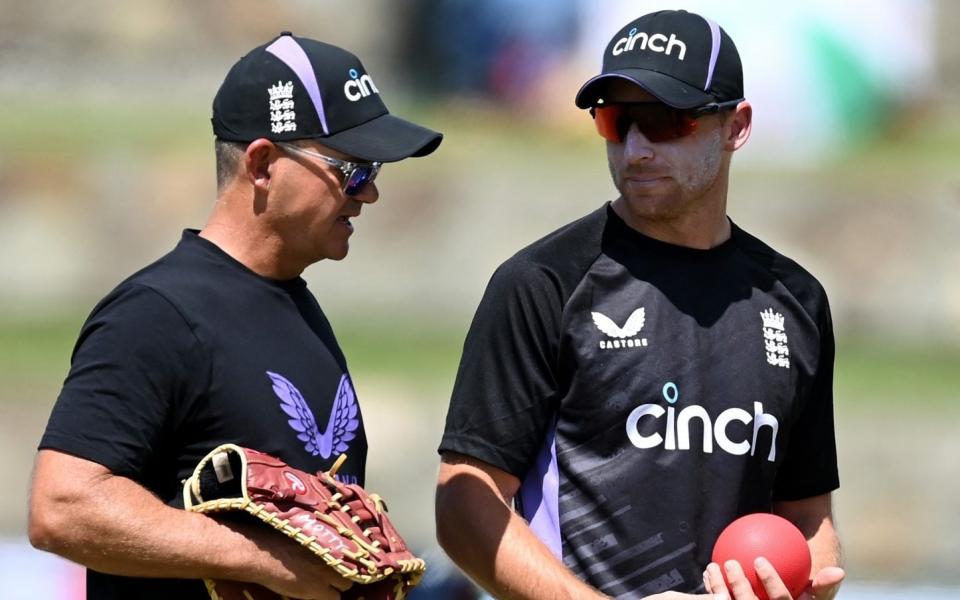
[289, 570]
[824, 585]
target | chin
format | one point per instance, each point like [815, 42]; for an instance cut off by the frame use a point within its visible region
[651, 207]
[326, 253]
[339, 254]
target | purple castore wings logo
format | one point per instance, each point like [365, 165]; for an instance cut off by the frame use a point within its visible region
[340, 428]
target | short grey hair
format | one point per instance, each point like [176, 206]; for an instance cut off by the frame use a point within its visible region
[229, 155]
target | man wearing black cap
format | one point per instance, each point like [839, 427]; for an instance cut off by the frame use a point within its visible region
[636, 380]
[220, 341]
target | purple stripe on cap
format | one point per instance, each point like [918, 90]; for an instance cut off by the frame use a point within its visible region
[290, 52]
[540, 496]
[714, 51]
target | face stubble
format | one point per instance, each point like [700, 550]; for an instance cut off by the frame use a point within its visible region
[692, 165]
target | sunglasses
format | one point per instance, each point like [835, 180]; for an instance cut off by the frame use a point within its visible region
[655, 120]
[355, 175]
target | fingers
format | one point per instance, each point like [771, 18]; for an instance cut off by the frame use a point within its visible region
[828, 577]
[826, 584]
[326, 594]
[714, 583]
[737, 581]
[682, 596]
[713, 580]
[341, 584]
[768, 576]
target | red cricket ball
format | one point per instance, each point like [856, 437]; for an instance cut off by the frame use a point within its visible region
[769, 536]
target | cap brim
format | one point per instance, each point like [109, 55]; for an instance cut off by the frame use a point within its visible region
[664, 88]
[384, 139]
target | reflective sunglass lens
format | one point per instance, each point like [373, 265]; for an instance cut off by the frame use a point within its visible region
[657, 122]
[606, 118]
[359, 177]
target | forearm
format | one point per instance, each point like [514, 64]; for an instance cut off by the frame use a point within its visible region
[825, 547]
[116, 526]
[814, 517]
[493, 545]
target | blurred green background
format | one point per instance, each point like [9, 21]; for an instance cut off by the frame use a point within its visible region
[106, 154]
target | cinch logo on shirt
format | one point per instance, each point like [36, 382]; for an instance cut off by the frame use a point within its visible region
[676, 433]
[623, 337]
[358, 86]
[653, 42]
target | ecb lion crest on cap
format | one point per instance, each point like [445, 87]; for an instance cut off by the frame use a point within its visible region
[282, 116]
[307, 98]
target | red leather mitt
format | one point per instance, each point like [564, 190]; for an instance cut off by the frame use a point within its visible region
[340, 523]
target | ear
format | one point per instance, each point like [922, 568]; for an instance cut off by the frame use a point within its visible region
[258, 162]
[739, 125]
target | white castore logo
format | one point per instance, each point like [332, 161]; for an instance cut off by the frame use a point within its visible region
[623, 337]
[775, 339]
[654, 43]
[675, 434]
[358, 86]
[282, 116]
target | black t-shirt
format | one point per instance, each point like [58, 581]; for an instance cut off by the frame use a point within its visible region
[192, 352]
[646, 395]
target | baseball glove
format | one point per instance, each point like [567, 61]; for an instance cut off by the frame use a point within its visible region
[340, 523]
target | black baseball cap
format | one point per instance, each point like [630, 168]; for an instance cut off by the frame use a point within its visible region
[294, 88]
[681, 58]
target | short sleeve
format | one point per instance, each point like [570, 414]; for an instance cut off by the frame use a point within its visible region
[135, 366]
[505, 393]
[810, 466]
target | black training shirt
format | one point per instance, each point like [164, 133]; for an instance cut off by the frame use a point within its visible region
[646, 395]
[192, 352]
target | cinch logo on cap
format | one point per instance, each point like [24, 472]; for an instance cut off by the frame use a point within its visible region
[358, 87]
[653, 42]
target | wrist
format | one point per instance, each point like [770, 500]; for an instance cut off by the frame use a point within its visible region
[242, 556]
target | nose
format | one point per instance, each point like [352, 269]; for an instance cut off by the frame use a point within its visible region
[368, 194]
[636, 146]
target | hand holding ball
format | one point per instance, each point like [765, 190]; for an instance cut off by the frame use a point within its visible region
[769, 536]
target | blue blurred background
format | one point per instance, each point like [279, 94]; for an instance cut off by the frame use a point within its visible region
[106, 153]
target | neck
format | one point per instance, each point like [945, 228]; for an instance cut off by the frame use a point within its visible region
[245, 239]
[702, 225]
